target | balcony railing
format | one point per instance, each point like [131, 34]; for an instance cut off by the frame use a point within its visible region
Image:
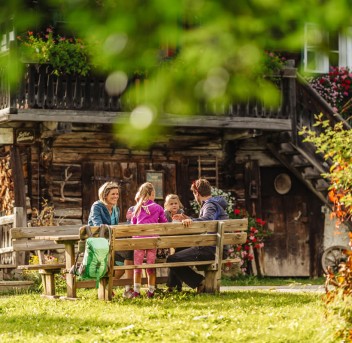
[41, 89]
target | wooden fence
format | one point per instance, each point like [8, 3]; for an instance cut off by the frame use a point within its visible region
[8, 258]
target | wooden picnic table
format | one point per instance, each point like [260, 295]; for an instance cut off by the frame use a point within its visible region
[69, 242]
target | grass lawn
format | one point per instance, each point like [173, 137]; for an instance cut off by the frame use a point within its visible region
[270, 281]
[256, 316]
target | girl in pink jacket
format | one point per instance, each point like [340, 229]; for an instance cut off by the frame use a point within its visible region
[146, 211]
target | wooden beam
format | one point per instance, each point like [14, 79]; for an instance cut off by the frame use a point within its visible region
[19, 184]
[101, 117]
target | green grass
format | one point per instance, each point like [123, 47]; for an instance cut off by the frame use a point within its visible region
[269, 281]
[256, 316]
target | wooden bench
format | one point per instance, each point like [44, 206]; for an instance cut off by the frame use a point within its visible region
[23, 240]
[166, 235]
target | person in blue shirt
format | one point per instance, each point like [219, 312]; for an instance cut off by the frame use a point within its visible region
[212, 208]
[106, 211]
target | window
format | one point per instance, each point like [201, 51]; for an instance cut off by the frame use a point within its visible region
[323, 49]
[7, 35]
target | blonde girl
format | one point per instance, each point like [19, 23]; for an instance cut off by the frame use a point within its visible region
[146, 211]
[172, 206]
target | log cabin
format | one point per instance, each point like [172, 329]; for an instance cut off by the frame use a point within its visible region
[57, 143]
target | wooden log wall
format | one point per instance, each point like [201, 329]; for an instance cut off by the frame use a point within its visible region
[62, 171]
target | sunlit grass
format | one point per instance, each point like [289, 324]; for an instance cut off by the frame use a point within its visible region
[186, 317]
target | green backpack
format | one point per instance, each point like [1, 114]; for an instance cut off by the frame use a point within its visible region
[96, 256]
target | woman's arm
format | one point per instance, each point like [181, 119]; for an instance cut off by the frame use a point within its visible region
[95, 215]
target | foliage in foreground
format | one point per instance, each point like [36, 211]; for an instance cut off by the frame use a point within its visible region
[335, 143]
[205, 51]
[186, 317]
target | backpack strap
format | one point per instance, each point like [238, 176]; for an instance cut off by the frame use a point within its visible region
[88, 231]
[102, 230]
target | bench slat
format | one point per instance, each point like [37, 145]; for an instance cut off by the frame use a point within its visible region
[48, 266]
[235, 238]
[177, 241]
[4, 266]
[29, 245]
[164, 265]
[164, 229]
[6, 250]
[164, 242]
[4, 220]
[235, 225]
[31, 232]
[174, 264]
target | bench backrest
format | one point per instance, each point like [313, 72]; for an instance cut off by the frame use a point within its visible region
[166, 235]
[22, 237]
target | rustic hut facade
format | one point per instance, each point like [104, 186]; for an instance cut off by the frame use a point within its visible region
[58, 144]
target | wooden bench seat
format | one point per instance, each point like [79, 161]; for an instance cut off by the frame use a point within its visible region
[46, 266]
[167, 235]
[23, 239]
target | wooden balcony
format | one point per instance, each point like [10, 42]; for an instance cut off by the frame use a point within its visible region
[43, 96]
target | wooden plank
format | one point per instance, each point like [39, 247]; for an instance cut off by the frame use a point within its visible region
[6, 250]
[31, 232]
[164, 265]
[6, 286]
[165, 242]
[7, 219]
[177, 241]
[163, 229]
[175, 228]
[4, 266]
[235, 238]
[235, 224]
[61, 238]
[66, 212]
[29, 245]
[48, 266]
[91, 117]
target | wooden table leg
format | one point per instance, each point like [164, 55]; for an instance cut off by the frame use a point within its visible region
[49, 282]
[70, 261]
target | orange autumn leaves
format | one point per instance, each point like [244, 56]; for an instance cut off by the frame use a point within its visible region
[340, 192]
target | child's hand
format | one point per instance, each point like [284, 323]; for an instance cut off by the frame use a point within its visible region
[129, 215]
[179, 217]
[187, 222]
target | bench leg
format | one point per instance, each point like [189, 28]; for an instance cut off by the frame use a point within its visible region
[212, 281]
[103, 290]
[48, 280]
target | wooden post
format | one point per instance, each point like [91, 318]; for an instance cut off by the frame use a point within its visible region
[19, 184]
[289, 89]
[254, 200]
[104, 289]
[70, 261]
[20, 217]
[213, 275]
[19, 220]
